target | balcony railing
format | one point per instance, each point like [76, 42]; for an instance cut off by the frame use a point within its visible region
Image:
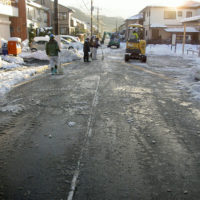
[9, 7]
[9, 2]
[6, 2]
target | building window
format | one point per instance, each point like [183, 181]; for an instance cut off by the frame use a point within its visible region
[188, 14]
[170, 14]
[11, 29]
[146, 32]
[63, 30]
[180, 14]
[62, 16]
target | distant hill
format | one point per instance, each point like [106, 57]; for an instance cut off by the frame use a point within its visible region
[109, 23]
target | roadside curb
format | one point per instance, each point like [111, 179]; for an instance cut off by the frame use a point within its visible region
[41, 69]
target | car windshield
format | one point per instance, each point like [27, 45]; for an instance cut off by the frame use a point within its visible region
[65, 41]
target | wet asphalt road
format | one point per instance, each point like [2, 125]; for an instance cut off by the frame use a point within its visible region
[117, 131]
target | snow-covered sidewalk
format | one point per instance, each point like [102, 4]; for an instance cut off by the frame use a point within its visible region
[187, 74]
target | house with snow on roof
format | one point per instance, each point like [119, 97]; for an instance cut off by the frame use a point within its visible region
[160, 22]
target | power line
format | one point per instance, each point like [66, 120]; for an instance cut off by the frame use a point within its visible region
[85, 5]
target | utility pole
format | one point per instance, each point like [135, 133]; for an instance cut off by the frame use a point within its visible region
[116, 25]
[98, 21]
[56, 17]
[91, 17]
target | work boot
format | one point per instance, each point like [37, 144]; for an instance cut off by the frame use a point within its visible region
[52, 71]
[55, 69]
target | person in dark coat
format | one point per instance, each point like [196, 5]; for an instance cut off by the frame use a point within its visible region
[95, 47]
[86, 50]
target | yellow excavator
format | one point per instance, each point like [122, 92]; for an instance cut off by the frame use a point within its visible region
[135, 44]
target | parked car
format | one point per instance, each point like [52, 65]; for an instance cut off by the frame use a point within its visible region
[39, 43]
[76, 43]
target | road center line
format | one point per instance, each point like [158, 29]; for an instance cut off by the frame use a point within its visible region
[87, 135]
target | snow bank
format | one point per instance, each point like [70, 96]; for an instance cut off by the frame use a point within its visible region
[10, 78]
[39, 55]
[13, 59]
[162, 49]
[69, 55]
[6, 65]
[65, 55]
[189, 78]
[16, 39]
[25, 45]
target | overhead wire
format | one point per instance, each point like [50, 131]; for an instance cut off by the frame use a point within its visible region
[86, 8]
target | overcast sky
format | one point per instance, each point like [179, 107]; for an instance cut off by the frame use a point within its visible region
[123, 8]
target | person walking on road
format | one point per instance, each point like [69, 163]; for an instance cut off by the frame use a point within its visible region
[52, 50]
[86, 50]
[91, 46]
[96, 45]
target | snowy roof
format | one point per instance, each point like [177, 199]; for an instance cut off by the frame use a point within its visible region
[190, 4]
[78, 20]
[138, 16]
[135, 25]
[158, 26]
[181, 30]
[187, 4]
[31, 3]
[190, 19]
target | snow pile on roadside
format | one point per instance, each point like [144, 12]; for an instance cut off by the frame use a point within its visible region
[69, 55]
[12, 59]
[39, 55]
[194, 86]
[10, 62]
[25, 46]
[6, 65]
[10, 78]
[163, 49]
[65, 55]
[189, 78]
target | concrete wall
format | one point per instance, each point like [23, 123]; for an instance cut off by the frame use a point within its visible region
[4, 27]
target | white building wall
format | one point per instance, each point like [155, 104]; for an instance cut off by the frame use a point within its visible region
[5, 12]
[157, 16]
[8, 10]
[4, 27]
[198, 11]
